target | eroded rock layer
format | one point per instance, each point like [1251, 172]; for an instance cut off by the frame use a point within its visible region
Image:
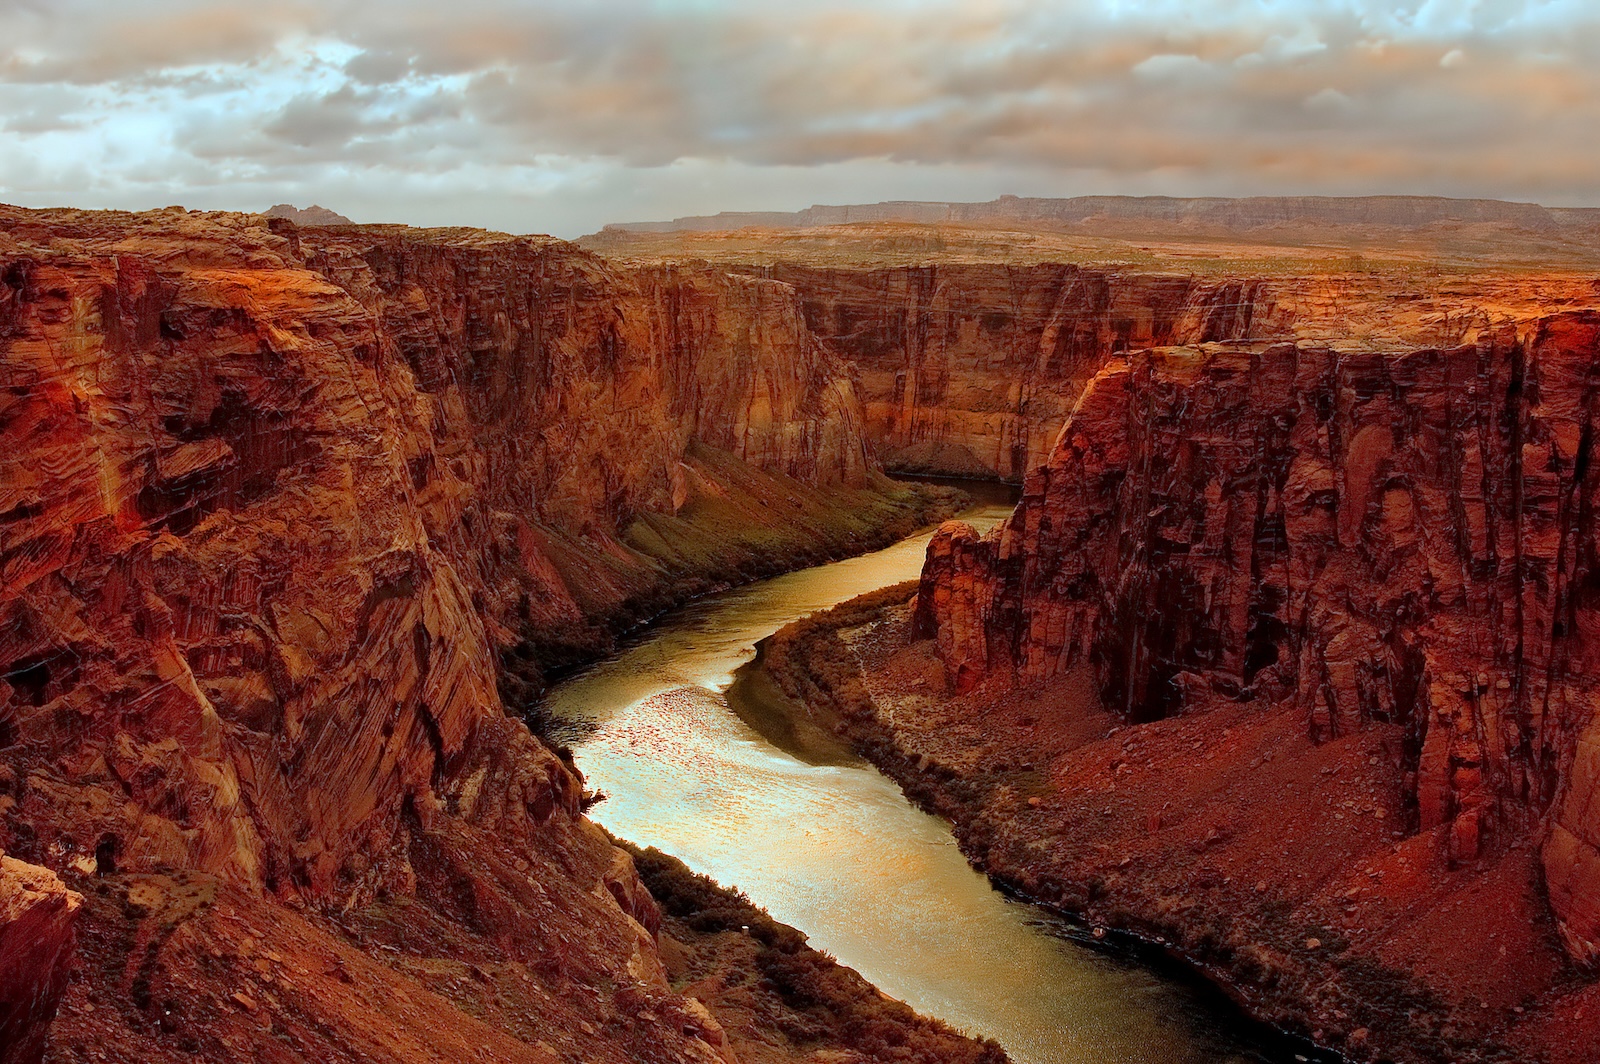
[37, 917]
[969, 369]
[282, 512]
[276, 500]
[1397, 538]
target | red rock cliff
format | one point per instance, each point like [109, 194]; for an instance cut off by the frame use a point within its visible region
[280, 510]
[274, 498]
[36, 929]
[1397, 537]
[969, 369]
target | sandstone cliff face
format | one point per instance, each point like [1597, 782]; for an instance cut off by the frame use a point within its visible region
[564, 399]
[969, 370]
[1377, 537]
[275, 499]
[37, 915]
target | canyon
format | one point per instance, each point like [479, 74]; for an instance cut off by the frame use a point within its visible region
[1284, 660]
[294, 524]
[970, 370]
[973, 337]
[1286, 642]
[1392, 539]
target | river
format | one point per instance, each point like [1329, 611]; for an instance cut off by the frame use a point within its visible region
[836, 850]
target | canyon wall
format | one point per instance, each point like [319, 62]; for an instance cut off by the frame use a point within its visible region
[277, 502]
[274, 501]
[1370, 536]
[566, 399]
[37, 914]
[969, 369]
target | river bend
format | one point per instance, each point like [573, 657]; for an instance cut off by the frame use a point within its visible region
[836, 850]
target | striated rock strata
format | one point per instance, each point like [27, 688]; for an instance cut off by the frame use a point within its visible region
[284, 512]
[1393, 546]
[276, 504]
[1276, 865]
[37, 914]
[969, 369]
[1405, 539]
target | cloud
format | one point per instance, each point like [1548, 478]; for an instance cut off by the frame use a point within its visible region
[515, 105]
[378, 67]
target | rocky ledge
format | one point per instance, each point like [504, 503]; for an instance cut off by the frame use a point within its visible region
[1286, 657]
[293, 521]
[1276, 866]
[37, 923]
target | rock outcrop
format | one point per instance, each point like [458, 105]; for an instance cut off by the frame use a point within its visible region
[1397, 538]
[284, 511]
[275, 503]
[969, 370]
[37, 914]
[312, 215]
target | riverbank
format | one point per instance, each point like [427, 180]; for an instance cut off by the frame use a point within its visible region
[827, 843]
[736, 524]
[776, 997]
[1279, 869]
[497, 957]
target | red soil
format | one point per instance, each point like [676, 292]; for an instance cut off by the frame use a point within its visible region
[1277, 865]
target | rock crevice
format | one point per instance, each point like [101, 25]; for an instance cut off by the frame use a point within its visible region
[969, 369]
[1374, 537]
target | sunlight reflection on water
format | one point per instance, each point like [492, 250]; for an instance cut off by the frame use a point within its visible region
[837, 851]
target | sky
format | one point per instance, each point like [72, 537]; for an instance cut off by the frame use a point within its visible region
[559, 117]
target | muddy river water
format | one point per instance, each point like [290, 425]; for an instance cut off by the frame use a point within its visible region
[836, 850]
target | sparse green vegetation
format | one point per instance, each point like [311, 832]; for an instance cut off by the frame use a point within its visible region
[747, 525]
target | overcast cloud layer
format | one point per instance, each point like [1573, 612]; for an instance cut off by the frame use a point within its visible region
[558, 117]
